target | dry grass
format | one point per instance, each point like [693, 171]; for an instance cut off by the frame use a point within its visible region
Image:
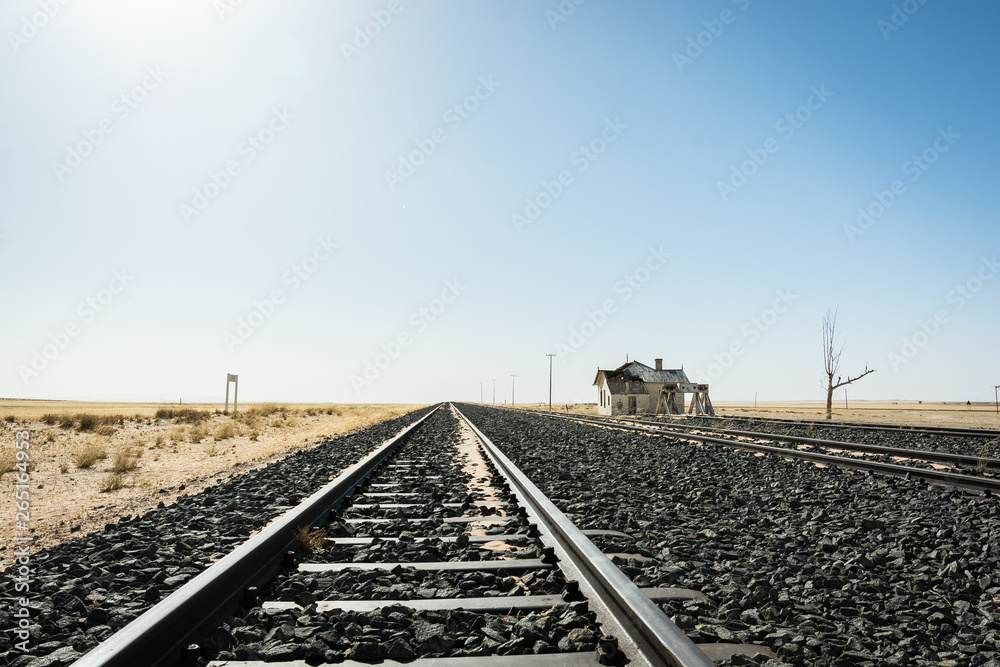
[197, 434]
[225, 432]
[7, 460]
[106, 430]
[184, 415]
[113, 482]
[989, 450]
[310, 539]
[89, 456]
[126, 459]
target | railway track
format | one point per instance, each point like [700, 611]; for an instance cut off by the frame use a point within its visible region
[979, 483]
[438, 546]
[893, 428]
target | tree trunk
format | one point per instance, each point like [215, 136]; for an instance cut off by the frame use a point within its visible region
[829, 400]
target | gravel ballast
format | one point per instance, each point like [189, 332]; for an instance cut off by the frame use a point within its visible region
[825, 566]
[437, 471]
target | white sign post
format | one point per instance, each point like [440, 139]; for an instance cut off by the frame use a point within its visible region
[236, 391]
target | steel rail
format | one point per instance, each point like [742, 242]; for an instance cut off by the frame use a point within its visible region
[985, 484]
[160, 635]
[647, 635]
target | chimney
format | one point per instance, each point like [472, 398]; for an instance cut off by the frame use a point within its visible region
[659, 364]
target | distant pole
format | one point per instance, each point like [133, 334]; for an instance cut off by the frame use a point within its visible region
[755, 400]
[845, 398]
[494, 391]
[550, 379]
[512, 389]
[995, 401]
[480, 393]
[226, 411]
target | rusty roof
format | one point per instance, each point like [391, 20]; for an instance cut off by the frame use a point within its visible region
[635, 370]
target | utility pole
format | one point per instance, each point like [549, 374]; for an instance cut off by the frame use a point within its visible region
[494, 391]
[480, 393]
[550, 379]
[512, 389]
[995, 401]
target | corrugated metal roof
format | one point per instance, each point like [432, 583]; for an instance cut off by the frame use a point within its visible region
[636, 371]
[643, 372]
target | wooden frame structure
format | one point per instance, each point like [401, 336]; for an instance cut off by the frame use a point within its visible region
[670, 400]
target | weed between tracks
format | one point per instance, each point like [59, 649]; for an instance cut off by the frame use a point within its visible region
[310, 539]
[989, 450]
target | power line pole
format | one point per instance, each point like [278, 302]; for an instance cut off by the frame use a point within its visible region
[494, 391]
[480, 393]
[512, 389]
[995, 400]
[550, 379]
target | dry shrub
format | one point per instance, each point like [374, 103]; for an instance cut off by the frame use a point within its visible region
[225, 432]
[126, 460]
[197, 434]
[10, 418]
[113, 482]
[106, 430]
[212, 451]
[254, 435]
[252, 413]
[183, 415]
[987, 452]
[65, 421]
[86, 422]
[7, 460]
[50, 419]
[310, 539]
[89, 456]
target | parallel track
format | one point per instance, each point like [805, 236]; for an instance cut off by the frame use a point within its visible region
[930, 430]
[989, 485]
[947, 458]
[634, 628]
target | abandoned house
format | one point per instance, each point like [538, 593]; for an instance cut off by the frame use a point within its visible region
[635, 388]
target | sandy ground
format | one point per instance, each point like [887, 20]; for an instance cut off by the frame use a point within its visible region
[171, 457]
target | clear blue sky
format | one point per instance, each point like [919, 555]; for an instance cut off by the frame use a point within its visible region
[171, 168]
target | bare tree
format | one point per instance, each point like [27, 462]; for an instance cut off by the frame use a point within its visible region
[831, 360]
